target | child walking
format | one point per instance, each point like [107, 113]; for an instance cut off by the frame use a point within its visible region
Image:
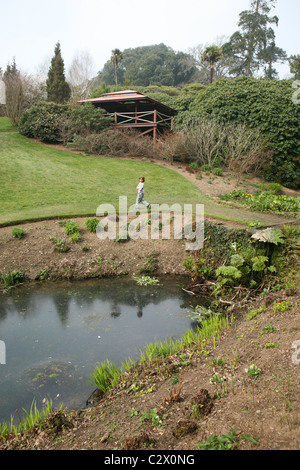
[140, 195]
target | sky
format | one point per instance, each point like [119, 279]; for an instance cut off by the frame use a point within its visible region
[30, 29]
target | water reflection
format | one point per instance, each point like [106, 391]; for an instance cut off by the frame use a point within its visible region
[55, 334]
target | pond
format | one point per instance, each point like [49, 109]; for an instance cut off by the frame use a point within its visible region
[55, 335]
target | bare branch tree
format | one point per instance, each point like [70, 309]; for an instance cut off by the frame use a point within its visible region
[79, 75]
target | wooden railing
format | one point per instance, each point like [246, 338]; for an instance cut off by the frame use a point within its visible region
[142, 119]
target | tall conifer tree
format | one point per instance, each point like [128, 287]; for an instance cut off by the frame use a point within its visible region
[58, 90]
[253, 46]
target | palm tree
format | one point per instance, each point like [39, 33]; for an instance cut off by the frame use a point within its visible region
[115, 59]
[211, 55]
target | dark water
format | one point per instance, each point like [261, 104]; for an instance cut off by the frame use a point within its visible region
[55, 334]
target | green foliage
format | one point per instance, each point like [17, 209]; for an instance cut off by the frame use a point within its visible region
[253, 371]
[105, 376]
[269, 235]
[253, 46]
[265, 201]
[294, 62]
[41, 121]
[197, 267]
[12, 278]
[206, 167]
[33, 418]
[58, 90]
[227, 441]
[122, 238]
[60, 245]
[91, 224]
[226, 276]
[70, 227]
[52, 122]
[148, 65]
[76, 237]
[260, 104]
[200, 313]
[18, 232]
[153, 416]
[281, 306]
[252, 313]
[146, 280]
[193, 166]
[217, 171]
[229, 272]
[88, 119]
[259, 263]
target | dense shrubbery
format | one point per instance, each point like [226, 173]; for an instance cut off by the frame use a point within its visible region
[52, 123]
[233, 259]
[41, 121]
[209, 142]
[259, 104]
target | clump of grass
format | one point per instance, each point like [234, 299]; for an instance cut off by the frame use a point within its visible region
[12, 278]
[217, 171]
[91, 224]
[281, 306]
[33, 418]
[252, 313]
[106, 376]
[18, 232]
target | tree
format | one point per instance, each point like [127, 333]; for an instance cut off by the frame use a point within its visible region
[80, 74]
[270, 56]
[294, 62]
[254, 45]
[221, 66]
[149, 65]
[14, 93]
[115, 59]
[58, 90]
[212, 55]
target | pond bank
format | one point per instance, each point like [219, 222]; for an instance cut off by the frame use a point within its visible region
[175, 388]
[176, 402]
[35, 256]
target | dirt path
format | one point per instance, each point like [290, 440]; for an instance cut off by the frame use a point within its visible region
[215, 186]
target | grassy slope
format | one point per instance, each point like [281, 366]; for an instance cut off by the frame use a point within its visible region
[37, 181]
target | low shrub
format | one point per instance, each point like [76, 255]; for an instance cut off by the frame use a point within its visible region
[71, 227]
[18, 232]
[91, 224]
[60, 245]
[12, 278]
[217, 171]
[41, 121]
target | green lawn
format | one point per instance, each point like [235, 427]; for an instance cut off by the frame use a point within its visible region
[37, 181]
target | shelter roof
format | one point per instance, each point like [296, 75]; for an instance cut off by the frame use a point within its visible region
[127, 96]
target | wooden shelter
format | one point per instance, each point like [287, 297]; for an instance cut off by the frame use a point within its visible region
[132, 110]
